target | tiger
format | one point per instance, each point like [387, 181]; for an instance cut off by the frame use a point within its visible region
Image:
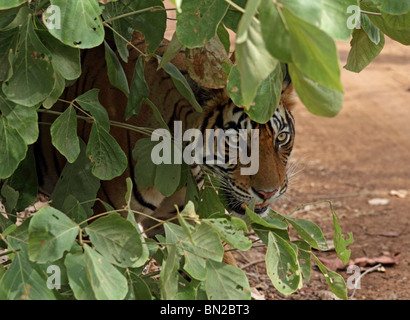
[276, 137]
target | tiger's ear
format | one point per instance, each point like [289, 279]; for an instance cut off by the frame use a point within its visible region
[287, 98]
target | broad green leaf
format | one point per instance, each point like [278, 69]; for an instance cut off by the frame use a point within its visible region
[254, 62]
[8, 42]
[339, 240]
[78, 277]
[115, 72]
[198, 21]
[32, 69]
[398, 22]
[318, 98]
[363, 51]
[313, 52]
[13, 148]
[75, 210]
[76, 179]
[7, 4]
[65, 59]
[400, 35]
[145, 169]
[226, 282]
[195, 266]
[157, 114]
[89, 102]
[23, 119]
[334, 280]
[107, 158]
[394, 7]
[371, 30]
[106, 281]
[231, 231]
[23, 280]
[77, 24]
[334, 17]
[138, 288]
[304, 255]
[309, 232]
[252, 218]
[282, 265]
[205, 241]
[182, 85]
[169, 275]
[152, 23]
[209, 203]
[51, 233]
[233, 16]
[118, 241]
[274, 31]
[24, 180]
[64, 134]
[139, 90]
[56, 93]
[10, 198]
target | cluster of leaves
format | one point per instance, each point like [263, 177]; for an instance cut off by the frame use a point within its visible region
[109, 258]
[40, 43]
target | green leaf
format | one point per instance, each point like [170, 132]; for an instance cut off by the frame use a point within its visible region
[76, 179]
[32, 69]
[115, 72]
[24, 180]
[199, 20]
[118, 241]
[89, 102]
[231, 231]
[138, 288]
[318, 98]
[304, 254]
[65, 59]
[226, 282]
[209, 203]
[145, 169]
[51, 233]
[80, 23]
[173, 48]
[334, 280]
[152, 23]
[371, 30]
[139, 90]
[56, 93]
[270, 223]
[282, 265]
[7, 4]
[169, 275]
[8, 43]
[394, 7]
[9, 198]
[309, 232]
[339, 240]
[363, 51]
[313, 52]
[13, 148]
[106, 281]
[23, 280]
[274, 31]
[334, 17]
[182, 85]
[23, 119]
[64, 134]
[254, 62]
[398, 22]
[78, 277]
[108, 159]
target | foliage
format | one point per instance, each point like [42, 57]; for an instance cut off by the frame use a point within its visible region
[40, 44]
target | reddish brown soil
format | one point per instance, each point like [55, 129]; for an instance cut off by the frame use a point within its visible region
[361, 154]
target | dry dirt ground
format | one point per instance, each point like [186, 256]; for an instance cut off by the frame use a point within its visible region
[354, 159]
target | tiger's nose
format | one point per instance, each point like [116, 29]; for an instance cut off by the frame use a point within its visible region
[264, 195]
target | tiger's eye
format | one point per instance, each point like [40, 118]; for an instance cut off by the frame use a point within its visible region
[282, 137]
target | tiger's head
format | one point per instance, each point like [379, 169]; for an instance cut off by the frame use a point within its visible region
[275, 137]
